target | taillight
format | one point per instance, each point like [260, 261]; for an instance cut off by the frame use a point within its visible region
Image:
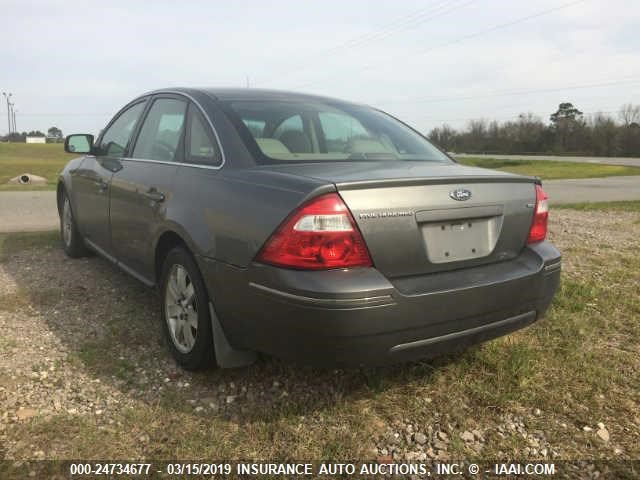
[538, 230]
[319, 235]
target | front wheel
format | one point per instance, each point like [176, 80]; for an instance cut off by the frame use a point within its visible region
[72, 240]
[185, 315]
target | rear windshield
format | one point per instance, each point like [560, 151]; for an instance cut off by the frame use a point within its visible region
[315, 131]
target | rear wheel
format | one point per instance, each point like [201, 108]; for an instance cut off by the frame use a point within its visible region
[72, 240]
[185, 314]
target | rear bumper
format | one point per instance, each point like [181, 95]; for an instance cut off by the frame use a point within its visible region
[358, 317]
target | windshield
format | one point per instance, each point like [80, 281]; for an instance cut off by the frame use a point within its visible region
[316, 131]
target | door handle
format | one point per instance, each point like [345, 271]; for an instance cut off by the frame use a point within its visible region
[102, 185]
[154, 195]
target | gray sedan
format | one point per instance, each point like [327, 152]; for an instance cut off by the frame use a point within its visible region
[305, 227]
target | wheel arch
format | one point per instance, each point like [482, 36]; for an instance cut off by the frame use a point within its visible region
[225, 354]
[60, 191]
[65, 183]
[167, 240]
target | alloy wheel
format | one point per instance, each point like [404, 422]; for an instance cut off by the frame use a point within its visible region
[181, 310]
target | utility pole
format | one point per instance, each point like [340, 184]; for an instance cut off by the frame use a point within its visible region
[15, 129]
[7, 97]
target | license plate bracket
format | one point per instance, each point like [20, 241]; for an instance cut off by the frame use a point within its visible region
[463, 239]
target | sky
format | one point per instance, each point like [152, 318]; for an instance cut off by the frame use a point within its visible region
[74, 63]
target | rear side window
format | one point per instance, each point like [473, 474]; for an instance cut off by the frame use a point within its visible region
[201, 143]
[115, 139]
[160, 136]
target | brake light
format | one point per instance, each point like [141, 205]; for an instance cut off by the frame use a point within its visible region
[538, 230]
[319, 235]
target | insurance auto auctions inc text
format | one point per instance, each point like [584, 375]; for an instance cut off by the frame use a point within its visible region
[392, 469]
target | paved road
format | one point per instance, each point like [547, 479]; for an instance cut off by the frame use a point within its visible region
[630, 162]
[28, 211]
[34, 211]
[593, 189]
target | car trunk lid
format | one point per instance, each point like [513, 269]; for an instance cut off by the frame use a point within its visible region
[418, 217]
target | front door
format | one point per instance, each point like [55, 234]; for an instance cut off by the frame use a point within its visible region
[91, 200]
[92, 181]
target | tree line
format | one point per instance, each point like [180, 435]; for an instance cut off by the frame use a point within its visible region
[569, 131]
[54, 135]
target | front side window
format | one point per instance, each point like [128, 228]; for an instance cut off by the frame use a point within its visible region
[309, 130]
[115, 139]
[160, 135]
[201, 144]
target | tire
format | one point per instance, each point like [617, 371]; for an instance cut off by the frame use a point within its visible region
[185, 311]
[72, 240]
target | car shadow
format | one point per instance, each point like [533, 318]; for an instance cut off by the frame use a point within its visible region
[110, 323]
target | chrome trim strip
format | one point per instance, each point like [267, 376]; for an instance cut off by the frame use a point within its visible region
[553, 266]
[118, 263]
[524, 317]
[328, 302]
[177, 164]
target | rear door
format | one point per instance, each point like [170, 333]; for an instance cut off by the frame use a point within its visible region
[143, 188]
[92, 181]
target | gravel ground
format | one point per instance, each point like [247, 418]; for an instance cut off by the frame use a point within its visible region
[81, 338]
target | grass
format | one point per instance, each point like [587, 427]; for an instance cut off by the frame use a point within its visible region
[549, 169]
[11, 243]
[48, 160]
[45, 160]
[619, 206]
[578, 366]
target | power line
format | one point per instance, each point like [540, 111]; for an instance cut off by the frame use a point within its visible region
[630, 80]
[504, 25]
[467, 37]
[389, 27]
[506, 93]
[412, 23]
[412, 20]
[493, 94]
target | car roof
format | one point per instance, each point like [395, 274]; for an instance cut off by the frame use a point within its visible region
[226, 94]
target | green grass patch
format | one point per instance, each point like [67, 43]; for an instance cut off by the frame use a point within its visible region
[11, 243]
[549, 169]
[45, 160]
[620, 206]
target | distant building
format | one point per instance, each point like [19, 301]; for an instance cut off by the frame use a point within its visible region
[36, 140]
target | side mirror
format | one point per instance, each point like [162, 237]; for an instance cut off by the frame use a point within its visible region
[78, 143]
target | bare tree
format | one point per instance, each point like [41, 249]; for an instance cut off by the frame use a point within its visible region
[598, 134]
[629, 113]
[443, 137]
[604, 133]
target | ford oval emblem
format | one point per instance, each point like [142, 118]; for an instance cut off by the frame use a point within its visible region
[460, 194]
